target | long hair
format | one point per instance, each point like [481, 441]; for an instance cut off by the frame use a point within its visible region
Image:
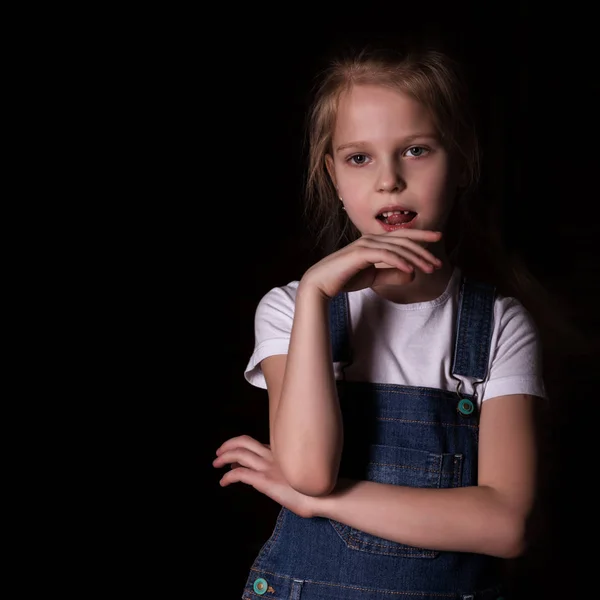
[473, 234]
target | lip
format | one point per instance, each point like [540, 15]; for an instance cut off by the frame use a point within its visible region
[386, 227]
[409, 225]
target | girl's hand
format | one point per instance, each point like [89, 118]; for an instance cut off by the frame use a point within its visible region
[253, 463]
[353, 267]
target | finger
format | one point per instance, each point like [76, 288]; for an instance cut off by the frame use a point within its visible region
[403, 242]
[412, 254]
[234, 465]
[242, 475]
[242, 456]
[234, 442]
[420, 251]
[236, 475]
[243, 441]
[419, 258]
[422, 235]
[389, 256]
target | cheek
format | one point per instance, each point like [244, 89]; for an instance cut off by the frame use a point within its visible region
[437, 184]
[352, 187]
[354, 193]
[435, 187]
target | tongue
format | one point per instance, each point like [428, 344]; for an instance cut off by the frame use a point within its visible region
[398, 219]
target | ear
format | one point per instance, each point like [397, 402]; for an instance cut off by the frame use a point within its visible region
[330, 169]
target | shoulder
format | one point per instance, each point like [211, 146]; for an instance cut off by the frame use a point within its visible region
[272, 329]
[278, 300]
[511, 318]
[275, 311]
[516, 353]
[509, 313]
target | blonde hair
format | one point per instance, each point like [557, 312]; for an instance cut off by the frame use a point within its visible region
[431, 78]
[473, 236]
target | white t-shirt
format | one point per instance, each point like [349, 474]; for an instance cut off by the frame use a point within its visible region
[411, 344]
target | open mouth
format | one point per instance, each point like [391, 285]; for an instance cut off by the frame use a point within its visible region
[396, 218]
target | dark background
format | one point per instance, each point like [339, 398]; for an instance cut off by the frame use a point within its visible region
[535, 72]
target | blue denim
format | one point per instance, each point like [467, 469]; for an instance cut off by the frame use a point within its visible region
[394, 434]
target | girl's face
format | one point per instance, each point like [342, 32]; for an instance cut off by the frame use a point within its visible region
[388, 163]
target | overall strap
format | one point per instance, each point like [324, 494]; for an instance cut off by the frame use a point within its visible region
[474, 329]
[339, 327]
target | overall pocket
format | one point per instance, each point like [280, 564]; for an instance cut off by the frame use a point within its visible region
[407, 467]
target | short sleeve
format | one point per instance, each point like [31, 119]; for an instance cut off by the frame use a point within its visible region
[516, 360]
[272, 329]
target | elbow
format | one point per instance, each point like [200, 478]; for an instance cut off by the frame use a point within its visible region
[313, 488]
[511, 540]
[310, 483]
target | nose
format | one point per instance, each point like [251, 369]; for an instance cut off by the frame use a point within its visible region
[389, 179]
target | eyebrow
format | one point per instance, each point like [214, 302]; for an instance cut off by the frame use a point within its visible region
[406, 140]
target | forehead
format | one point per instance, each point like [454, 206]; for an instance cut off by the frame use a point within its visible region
[374, 112]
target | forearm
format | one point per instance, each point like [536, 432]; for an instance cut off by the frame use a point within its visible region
[307, 426]
[467, 519]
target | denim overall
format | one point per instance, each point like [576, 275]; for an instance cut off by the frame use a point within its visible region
[394, 434]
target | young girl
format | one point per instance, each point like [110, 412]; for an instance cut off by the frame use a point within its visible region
[401, 369]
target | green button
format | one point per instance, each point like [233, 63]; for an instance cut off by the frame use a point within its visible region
[260, 586]
[465, 407]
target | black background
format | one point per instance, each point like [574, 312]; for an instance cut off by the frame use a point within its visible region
[244, 76]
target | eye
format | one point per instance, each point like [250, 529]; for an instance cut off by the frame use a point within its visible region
[417, 152]
[358, 159]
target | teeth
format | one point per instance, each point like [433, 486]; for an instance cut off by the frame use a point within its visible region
[395, 212]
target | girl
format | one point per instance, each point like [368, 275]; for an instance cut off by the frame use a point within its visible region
[401, 369]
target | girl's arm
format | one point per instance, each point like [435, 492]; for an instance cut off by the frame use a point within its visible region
[304, 411]
[489, 518]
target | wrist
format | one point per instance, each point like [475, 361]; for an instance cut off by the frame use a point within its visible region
[309, 292]
[324, 506]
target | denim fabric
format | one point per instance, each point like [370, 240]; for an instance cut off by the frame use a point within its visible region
[475, 318]
[397, 435]
[339, 317]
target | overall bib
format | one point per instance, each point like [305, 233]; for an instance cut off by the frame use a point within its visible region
[394, 434]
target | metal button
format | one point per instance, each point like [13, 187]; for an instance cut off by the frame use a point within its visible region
[260, 586]
[465, 407]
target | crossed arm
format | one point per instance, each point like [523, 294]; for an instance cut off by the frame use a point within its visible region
[299, 468]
